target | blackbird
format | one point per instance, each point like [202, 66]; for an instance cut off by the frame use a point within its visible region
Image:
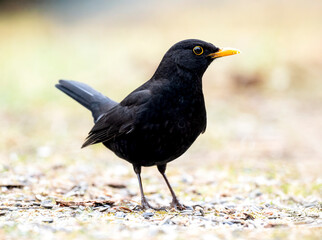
[158, 121]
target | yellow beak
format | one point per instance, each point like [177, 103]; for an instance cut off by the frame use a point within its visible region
[224, 52]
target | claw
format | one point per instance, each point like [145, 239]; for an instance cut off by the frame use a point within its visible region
[177, 205]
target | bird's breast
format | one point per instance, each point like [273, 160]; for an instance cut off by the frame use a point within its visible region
[164, 129]
[177, 120]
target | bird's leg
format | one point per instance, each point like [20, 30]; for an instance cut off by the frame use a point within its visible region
[175, 202]
[144, 202]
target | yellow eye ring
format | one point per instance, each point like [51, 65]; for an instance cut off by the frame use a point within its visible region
[197, 50]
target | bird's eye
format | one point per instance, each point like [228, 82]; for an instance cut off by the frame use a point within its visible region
[197, 50]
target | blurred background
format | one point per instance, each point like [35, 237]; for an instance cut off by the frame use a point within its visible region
[264, 105]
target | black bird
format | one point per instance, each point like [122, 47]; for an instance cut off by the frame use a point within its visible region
[158, 121]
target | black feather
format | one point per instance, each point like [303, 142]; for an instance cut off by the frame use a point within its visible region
[93, 100]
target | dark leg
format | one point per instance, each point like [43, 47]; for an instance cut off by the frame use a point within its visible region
[175, 202]
[144, 202]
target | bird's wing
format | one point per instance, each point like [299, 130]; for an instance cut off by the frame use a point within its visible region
[118, 120]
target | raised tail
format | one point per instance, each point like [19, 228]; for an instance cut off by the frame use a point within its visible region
[93, 100]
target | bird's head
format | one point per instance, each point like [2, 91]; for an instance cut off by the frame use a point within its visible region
[193, 55]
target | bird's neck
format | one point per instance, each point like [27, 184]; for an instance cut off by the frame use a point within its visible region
[189, 81]
[179, 76]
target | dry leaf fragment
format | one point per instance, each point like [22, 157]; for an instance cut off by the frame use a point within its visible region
[91, 203]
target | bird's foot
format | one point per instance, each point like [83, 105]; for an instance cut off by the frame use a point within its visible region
[146, 205]
[177, 205]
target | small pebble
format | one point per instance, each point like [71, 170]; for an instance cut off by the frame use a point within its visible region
[256, 208]
[199, 211]
[47, 204]
[239, 198]
[120, 215]
[103, 209]
[147, 215]
[230, 206]
[166, 221]
[189, 208]
[268, 205]
[236, 221]
[82, 208]
[48, 220]
[309, 205]
[13, 208]
[187, 212]
[228, 222]
[255, 193]
[202, 218]
[39, 197]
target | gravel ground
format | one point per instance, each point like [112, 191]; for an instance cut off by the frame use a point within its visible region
[84, 205]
